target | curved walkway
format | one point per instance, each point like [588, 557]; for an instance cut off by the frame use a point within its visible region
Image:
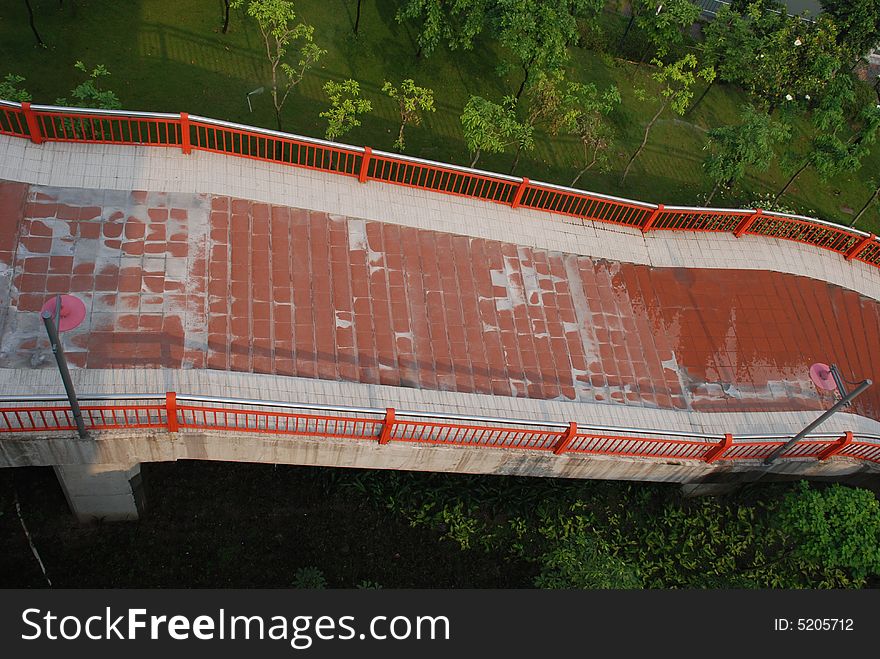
[197, 281]
[423, 294]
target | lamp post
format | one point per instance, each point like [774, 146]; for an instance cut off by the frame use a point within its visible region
[258, 90]
[825, 377]
[60, 314]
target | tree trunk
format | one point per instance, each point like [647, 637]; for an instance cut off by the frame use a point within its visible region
[792, 179]
[632, 17]
[30, 11]
[476, 158]
[516, 158]
[278, 117]
[357, 19]
[226, 17]
[586, 168]
[400, 137]
[865, 207]
[702, 96]
[642, 60]
[712, 194]
[644, 141]
[522, 85]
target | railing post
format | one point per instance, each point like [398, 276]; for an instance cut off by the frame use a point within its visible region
[858, 247]
[652, 218]
[171, 410]
[566, 439]
[719, 449]
[837, 446]
[33, 125]
[185, 145]
[517, 198]
[365, 164]
[385, 436]
[747, 222]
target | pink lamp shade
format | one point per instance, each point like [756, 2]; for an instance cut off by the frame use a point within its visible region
[73, 312]
[821, 376]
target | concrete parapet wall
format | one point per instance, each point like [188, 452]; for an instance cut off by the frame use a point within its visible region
[114, 448]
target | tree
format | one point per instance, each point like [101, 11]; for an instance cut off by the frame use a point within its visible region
[733, 149]
[357, 18]
[275, 19]
[729, 46]
[226, 4]
[867, 205]
[858, 22]
[830, 154]
[676, 81]
[664, 22]
[10, 89]
[30, 11]
[491, 127]
[411, 102]
[584, 113]
[793, 59]
[538, 32]
[345, 106]
[836, 527]
[433, 24]
[467, 20]
[89, 94]
[545, 100]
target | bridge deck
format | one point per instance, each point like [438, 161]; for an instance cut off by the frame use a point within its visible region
[199, 281]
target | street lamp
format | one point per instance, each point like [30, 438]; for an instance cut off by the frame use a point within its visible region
[258, 90]
[61, 314]
[828, 378]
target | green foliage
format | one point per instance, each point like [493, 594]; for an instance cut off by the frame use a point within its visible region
[412, 100]
[537, 33]
[89, 94]
[368, 585]
[581, 562]
[677, 80]
[617, 535]
[345, 107]
[859, 24]
[310, 578]
[583, 112]
[11, 90]
[837, 527]
[792, 59]
[734, 149]
[434, 26]
[275, 19]
[491, 127]
[666, 21]
[731, 45]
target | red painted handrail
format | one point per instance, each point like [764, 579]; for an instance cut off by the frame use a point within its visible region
[176, 413]
[48, 123]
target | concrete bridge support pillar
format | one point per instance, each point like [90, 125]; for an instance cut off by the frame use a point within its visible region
[103, 492]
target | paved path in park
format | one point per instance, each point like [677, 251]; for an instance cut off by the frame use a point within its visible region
[185, 280]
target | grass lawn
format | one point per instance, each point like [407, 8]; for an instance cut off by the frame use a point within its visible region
[169, 55]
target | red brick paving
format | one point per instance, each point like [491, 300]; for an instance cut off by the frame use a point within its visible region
[230, 284]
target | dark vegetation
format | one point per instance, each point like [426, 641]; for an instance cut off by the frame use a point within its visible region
[241, 525]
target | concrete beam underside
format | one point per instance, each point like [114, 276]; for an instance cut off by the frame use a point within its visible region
[102, 492]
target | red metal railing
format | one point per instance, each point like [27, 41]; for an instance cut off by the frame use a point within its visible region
[176, 413]
[48, 123]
